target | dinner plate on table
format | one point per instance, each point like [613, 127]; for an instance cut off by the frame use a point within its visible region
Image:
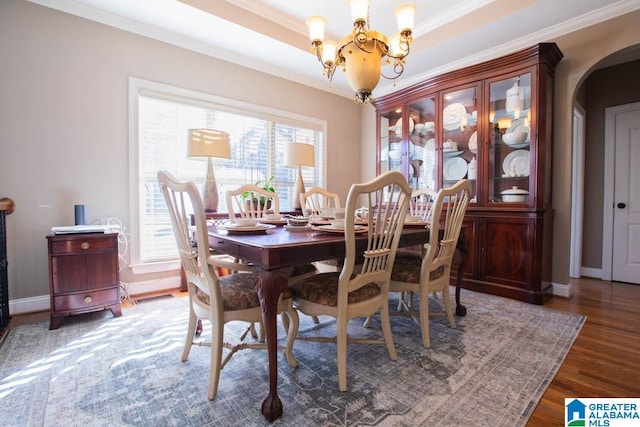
[454, 168]
[234, 228]
[332, 229]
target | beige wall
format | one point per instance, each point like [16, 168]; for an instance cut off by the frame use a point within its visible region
[582, 50]
[64, 122]
[605, 88]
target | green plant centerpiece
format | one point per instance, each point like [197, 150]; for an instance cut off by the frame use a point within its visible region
[267, 185]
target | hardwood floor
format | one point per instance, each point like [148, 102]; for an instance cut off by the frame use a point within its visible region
[604, 359]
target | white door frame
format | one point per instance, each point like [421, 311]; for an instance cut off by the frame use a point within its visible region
[609, 183]
[577, 191]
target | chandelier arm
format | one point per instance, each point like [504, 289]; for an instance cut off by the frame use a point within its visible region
[398, 69]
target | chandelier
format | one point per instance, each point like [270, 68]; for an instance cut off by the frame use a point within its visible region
[361, 53]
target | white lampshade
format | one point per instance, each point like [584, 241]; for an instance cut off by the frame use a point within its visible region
[208, 143]
[316, 25]
[299, 154]
[329, 52]
[405, 16]
[359, 10]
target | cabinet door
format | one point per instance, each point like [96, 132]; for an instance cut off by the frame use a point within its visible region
[69, 273]
[511, 133]
[102, 270]
[459, 142]
[507, 245]
[391, 148]
[422, 143]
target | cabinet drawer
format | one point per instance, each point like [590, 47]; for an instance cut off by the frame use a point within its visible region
[86, 300]
[86, 244]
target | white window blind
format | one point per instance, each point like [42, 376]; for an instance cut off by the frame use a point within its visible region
[258, 140]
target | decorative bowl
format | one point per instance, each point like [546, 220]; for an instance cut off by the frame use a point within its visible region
[514, 138]
[299, 221]
[514, 194]
[246, 222]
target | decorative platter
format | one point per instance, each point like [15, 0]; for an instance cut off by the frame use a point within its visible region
[452, 115]
[517, 161]
[454, 168]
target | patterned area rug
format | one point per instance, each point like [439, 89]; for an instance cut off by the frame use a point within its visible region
[102, 371]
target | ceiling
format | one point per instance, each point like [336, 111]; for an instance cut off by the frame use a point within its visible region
[271, 35]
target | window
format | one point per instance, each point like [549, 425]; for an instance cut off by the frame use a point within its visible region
[161, 116]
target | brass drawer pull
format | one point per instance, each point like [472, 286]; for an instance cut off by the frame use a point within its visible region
[88, 299]
[84, 245]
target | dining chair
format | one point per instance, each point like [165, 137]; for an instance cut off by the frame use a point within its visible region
[428, 272]
[218, 299]
[361, 287]
[251, 201]
[317, 198]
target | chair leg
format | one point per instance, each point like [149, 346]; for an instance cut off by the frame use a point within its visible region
[292, 324]
[217, 337]
[424, 318]
[315, 319]
[252, 329]
[447, 306]
[341, 350]
[385, 322]
[191, 330]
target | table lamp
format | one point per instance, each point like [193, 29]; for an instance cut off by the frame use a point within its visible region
[298, 154]
[209, 143]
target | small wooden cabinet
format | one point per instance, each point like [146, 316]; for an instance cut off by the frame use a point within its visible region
[490, 123]
[83, 274]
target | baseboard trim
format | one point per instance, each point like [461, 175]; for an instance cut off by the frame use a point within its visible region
[595, 273]
[43, 302]
[561, 290]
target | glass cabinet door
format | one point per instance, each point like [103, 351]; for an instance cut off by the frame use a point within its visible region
[422, 144]
[510, 139]
[390, 141]
[460, 142]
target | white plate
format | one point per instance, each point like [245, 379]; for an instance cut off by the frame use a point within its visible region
[430, 145]
[332, 229]
[473, 142]
[238, 228]
[454, 168]
[517, 160]
[452, 153]
[452, 116]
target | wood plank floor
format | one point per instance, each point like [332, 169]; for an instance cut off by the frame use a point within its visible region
[604, 359]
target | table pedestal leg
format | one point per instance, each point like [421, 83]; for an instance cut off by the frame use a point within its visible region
[269, 285]
[463, 248]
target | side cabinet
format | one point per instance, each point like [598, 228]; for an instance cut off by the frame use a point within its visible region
[83, 274]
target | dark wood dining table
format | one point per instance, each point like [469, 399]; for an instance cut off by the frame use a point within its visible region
[274, 253]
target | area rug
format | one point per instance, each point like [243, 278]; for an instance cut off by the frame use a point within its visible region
[96, 370]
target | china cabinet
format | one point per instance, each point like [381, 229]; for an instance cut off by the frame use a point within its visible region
[491, 124]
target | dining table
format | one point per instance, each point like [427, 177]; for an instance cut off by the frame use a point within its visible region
[276, 250]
